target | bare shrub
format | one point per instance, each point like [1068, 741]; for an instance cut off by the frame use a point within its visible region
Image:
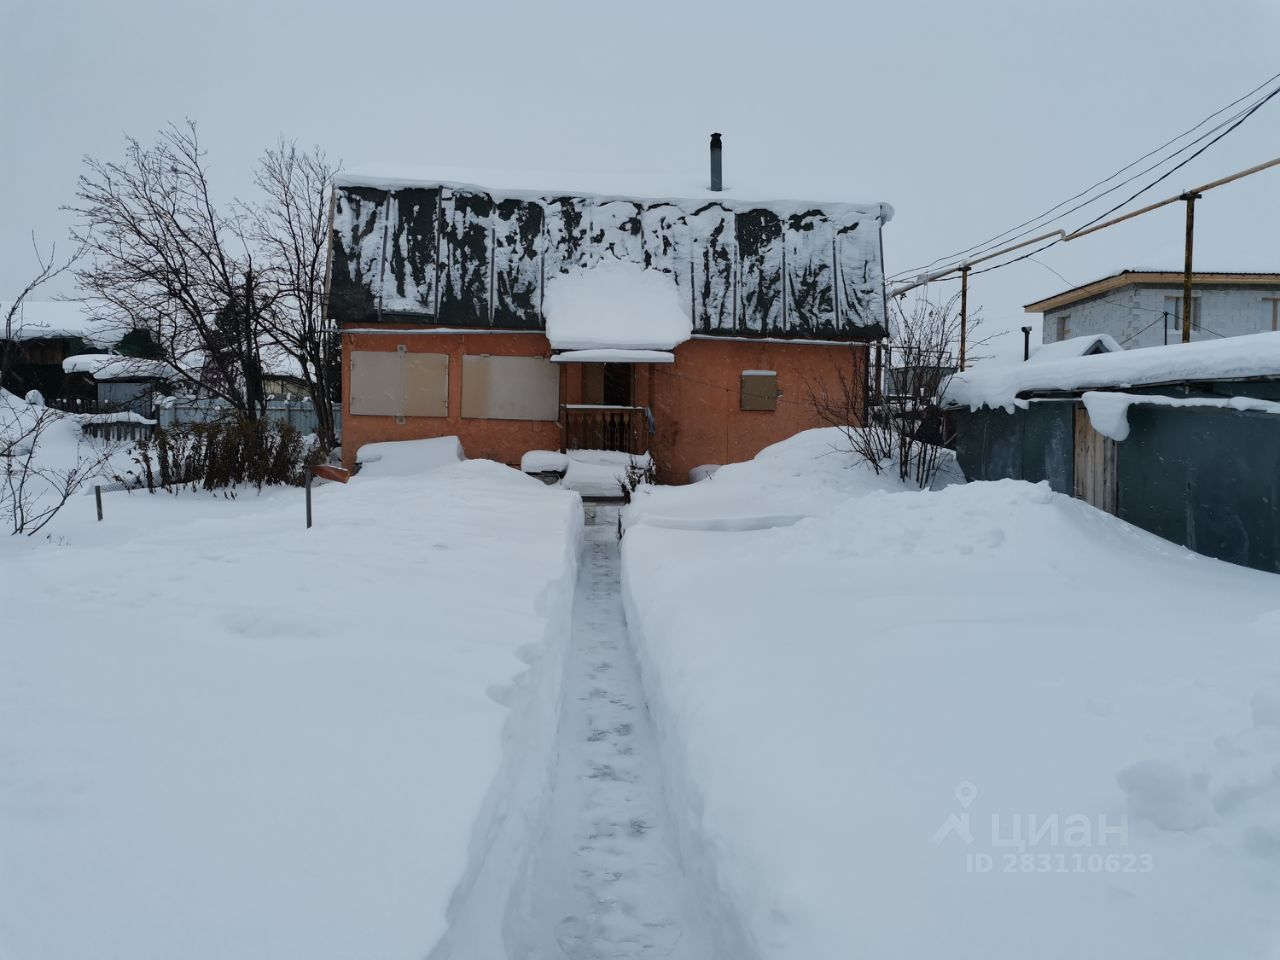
[891, 417]
[34, 487]
[224, 454]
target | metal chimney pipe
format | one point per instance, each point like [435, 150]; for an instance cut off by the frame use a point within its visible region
[717, 177]
[1026, 344]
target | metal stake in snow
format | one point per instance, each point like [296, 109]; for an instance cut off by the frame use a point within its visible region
[97, 495]
[310, 474]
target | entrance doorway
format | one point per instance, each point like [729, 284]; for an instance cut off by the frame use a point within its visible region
[608, 384]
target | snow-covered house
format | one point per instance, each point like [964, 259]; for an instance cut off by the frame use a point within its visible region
[41, 335]
[1143, 308]
[109, 383]
[1182, 440]
[526, 314]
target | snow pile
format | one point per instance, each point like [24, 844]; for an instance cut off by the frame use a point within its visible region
[226, 735]
[544, 461]
[615, 305]
[601, 473]
[1109, 410]
[60, 450]
[1076, 347]
[405, 458]
[1231, 358]
[803, 476]
[990, 706]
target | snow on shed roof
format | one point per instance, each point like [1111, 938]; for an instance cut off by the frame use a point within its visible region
[1232, 358]
[615, 304]
[38, 319]
[109, 366]
[781, 195]
[1076, 347]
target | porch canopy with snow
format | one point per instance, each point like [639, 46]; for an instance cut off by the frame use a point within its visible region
[634, 297]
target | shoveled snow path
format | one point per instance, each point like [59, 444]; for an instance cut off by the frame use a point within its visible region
[609, 883]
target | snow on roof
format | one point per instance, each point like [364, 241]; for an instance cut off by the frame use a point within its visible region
[613, 355]
[38, 319]
[1109, 410]
[615, 304]
[1232, 358]
[1076, 347]
[797, 193]
[108, 366]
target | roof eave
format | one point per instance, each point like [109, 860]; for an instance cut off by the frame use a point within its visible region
[1128, 278]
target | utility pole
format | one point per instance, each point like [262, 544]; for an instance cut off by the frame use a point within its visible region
[1187, 314]
[964, 310]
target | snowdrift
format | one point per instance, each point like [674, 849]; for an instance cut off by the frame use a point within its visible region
[225, 735]
[988, 721]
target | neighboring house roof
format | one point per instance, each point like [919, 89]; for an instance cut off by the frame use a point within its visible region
[1160, 278]
[798, 192]
[52, 319]
[1076, 347]
[1256, 356]
[615, 305]
[107, 366]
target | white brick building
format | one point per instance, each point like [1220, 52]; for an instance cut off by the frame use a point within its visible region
[1143, 308]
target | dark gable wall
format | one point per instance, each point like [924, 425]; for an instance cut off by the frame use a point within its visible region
[467, 259]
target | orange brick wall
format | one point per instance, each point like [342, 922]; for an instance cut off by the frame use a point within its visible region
[695, 401]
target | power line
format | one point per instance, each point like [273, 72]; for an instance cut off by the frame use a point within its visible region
[1233, 121]
[1164, 176]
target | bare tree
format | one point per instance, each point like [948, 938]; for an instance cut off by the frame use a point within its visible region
[891, 418]
[165, 258]
[291, 225]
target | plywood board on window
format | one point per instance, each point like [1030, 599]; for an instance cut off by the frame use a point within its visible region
[510, 388]
[396, 384]
[375, 384]
[426, 384]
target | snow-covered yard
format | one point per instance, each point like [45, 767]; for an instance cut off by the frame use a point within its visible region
[840, 720]
[988, 721]
[223, 735]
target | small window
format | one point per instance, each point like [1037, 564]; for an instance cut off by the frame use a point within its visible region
[1062, 326]
[760, 390]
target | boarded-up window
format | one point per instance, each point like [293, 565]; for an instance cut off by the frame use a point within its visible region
[759, 390]
[510, 388]
[399, 384]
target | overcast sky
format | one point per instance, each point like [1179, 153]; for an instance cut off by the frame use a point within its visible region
[968, 118]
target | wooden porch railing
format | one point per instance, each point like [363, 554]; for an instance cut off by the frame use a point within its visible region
[590, 426]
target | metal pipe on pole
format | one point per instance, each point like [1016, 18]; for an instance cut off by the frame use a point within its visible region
[1187, 305]
[964, 310]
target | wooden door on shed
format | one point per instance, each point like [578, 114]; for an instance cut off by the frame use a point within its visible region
[1095, 459]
